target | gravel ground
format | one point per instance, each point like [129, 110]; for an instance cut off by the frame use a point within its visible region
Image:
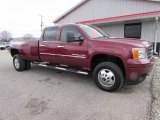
[155, 111]
[47, 94]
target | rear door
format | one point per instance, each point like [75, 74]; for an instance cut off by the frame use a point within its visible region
[48, 45]
[72, 52]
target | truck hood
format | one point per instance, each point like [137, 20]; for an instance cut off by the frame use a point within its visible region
[126, 41]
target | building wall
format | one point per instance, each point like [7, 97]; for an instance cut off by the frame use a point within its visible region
[147, 32]
[114, 30]
[97, 9]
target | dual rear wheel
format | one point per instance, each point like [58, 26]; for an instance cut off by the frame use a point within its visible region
[20, 64]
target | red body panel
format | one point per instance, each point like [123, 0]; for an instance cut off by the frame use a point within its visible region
[121, 48]
[29, 50]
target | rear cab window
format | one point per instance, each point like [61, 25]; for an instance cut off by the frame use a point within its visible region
[50, 34]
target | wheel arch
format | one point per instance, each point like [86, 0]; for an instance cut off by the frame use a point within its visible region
[14, 52]
[98, 58]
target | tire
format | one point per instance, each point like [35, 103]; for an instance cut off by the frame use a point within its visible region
[108, 76]
[27, 65]
[19, 63]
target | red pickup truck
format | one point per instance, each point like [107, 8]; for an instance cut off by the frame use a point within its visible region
[87, 49]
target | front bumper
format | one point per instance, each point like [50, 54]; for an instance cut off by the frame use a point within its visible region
[138, 70]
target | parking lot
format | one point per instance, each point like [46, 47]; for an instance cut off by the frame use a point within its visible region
[48, 94]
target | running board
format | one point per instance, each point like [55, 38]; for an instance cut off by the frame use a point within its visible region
[64, 69]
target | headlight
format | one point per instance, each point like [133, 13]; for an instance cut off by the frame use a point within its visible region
[139, 53]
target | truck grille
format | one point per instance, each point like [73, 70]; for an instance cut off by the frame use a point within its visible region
[150, 51]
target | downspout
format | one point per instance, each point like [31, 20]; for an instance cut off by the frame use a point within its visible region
[156, 36]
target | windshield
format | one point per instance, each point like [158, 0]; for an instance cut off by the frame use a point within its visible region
[92, 32]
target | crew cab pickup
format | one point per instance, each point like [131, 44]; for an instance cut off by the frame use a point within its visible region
[87, 49]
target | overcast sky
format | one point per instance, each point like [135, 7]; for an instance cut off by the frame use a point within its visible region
[22, 16]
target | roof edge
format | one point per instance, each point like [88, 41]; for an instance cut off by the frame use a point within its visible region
[119, 17]
[70, 10]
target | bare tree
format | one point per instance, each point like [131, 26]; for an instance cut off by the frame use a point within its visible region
[28, 36]
[5, 36]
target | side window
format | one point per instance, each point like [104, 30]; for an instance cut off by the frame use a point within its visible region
[50, 34]
[72, 31]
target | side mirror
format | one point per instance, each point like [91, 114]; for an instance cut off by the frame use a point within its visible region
[70, 36]
[81, 38]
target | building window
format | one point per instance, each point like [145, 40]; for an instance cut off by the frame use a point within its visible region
[50, 34]
[132, 30]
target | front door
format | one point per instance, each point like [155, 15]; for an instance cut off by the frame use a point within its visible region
[72, 52]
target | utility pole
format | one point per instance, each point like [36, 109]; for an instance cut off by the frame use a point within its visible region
[41, 22]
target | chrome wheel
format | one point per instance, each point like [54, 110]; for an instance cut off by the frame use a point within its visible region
[17, 63]
[106, 77]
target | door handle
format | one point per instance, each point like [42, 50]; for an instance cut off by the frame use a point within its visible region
[42, 45]
[60, 46]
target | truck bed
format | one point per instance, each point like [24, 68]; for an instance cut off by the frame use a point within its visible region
[29, 49]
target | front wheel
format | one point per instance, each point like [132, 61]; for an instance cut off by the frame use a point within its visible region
[108, 76]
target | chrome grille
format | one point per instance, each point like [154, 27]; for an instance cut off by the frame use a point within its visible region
[150, 51]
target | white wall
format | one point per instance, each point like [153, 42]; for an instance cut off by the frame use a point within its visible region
[97, 9]
[148, 30]
[147, 33]
[115, 30]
